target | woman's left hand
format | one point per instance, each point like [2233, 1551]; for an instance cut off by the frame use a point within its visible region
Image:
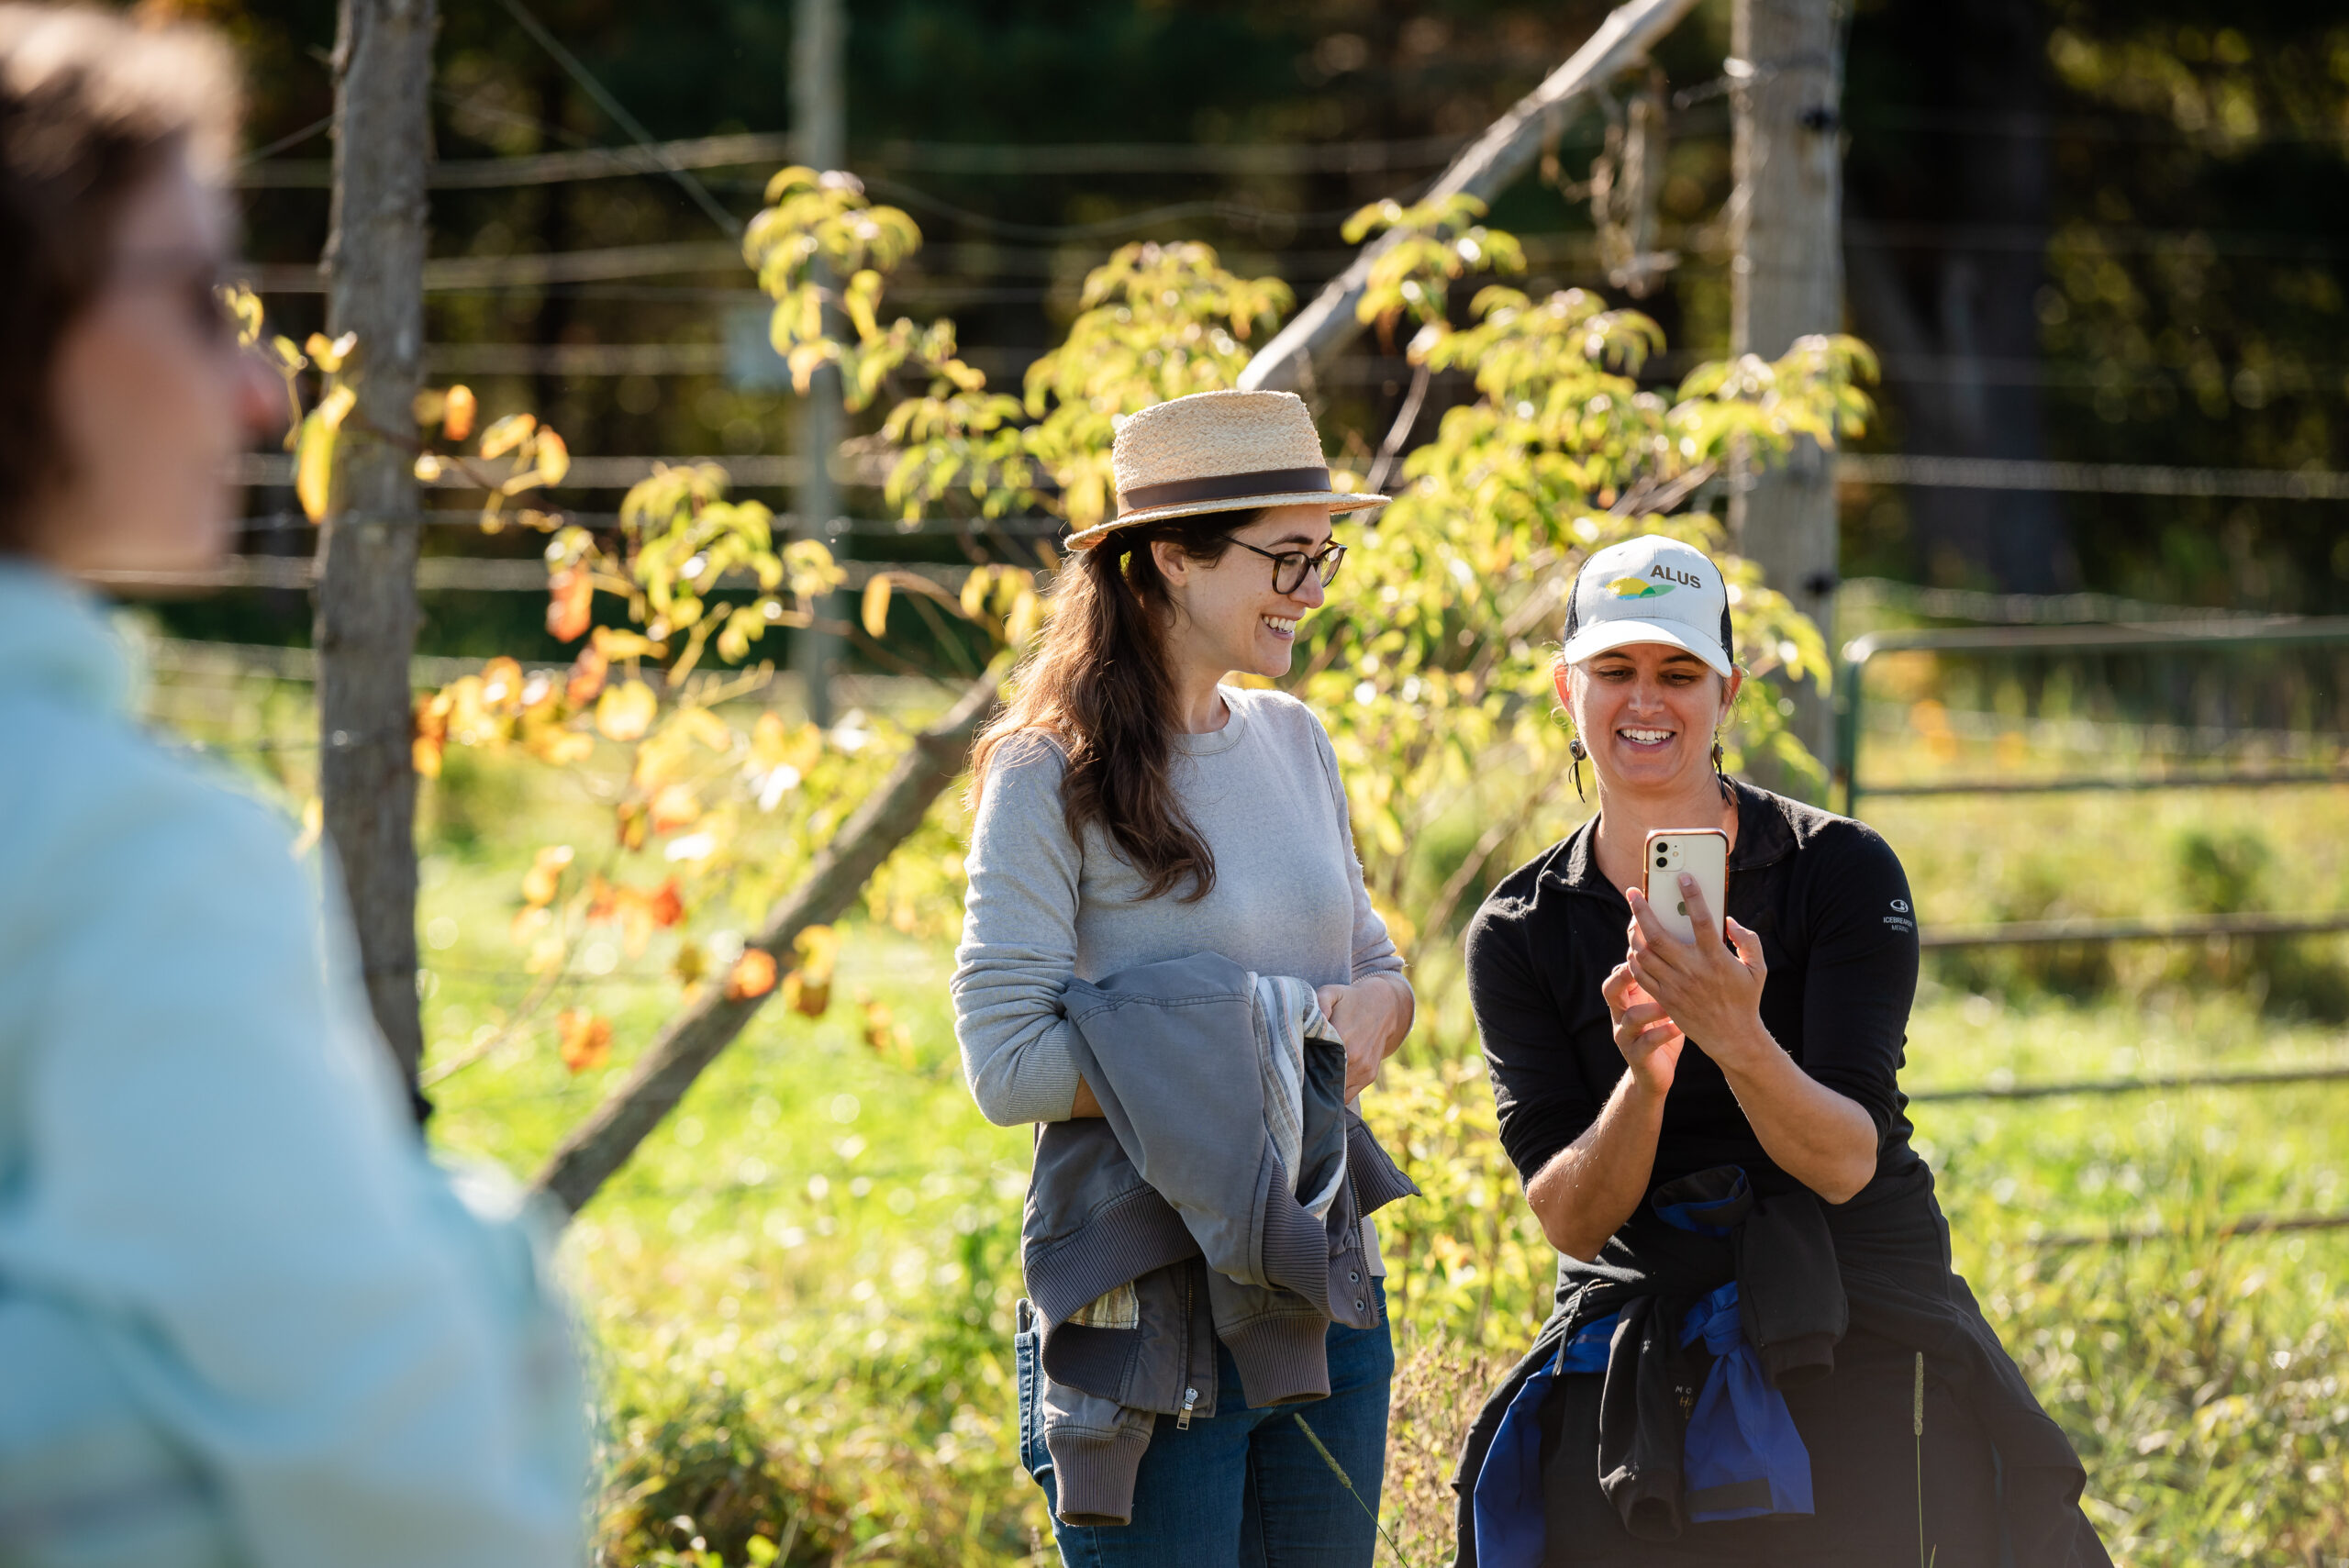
[1372, 1016]
[1712, 989]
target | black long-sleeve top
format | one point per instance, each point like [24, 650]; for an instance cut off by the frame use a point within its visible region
[1828, 899]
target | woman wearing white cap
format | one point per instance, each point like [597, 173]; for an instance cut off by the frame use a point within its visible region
[1761, 1353]
[1129, 808]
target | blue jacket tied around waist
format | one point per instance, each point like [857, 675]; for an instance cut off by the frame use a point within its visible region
[1740, 1455]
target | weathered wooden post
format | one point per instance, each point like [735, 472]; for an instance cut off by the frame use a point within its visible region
[1789, 281]
[366, 611]
[818, 107]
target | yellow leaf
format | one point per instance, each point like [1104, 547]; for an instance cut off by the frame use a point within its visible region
[314, 825]
[555, 458]
[501, 682]
[974, 591]
[808, 998]
[1399, 930]
[1027, 612]
[819, 948]
[313, 451]
[328, 357]
[876, 606]
[662, 759]
[676, 806]
[544, 878]
[508, 434]
[313, 468]
[625, 712]
[613, 643]
[561, 748]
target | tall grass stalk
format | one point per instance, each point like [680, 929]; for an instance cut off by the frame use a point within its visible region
[1348, 1483]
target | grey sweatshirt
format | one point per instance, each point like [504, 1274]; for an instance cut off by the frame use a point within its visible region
[1043, 909]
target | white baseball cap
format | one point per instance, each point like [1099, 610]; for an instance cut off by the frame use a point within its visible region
[1650, 589]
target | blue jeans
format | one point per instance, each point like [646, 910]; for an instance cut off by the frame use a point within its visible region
[1246, 1486]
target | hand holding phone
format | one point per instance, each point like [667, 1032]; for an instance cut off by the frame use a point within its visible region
[1700, 852]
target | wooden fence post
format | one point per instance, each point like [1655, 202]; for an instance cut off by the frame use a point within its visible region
[819, 49]
[366, 611]
[1787, 281]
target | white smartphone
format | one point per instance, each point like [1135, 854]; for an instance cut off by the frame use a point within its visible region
[1700, 852]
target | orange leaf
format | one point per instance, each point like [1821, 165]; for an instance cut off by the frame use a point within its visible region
[587, 673]
[430, 734]
[570, 595]
[665, 904]
[584, 1039]
[879, 1024]
[457, 413]
[753, 975]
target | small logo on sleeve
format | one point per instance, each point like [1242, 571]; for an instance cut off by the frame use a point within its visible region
[1899, 920]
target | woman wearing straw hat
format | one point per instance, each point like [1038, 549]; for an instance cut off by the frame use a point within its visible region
[1130, 808]
[1760, 1353]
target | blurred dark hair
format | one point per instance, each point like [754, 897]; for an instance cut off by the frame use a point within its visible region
[1097, 682]
[92, 105]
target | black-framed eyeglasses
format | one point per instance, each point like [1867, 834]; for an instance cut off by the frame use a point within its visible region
[1289, 566]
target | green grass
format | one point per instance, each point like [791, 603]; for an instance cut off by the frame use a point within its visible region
[798, 1292]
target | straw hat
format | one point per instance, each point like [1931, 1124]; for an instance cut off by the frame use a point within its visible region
[1219, 452]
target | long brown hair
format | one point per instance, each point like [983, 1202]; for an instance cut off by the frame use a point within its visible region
[1097, 682]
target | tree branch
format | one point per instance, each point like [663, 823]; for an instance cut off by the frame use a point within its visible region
[709, 1022]
[1489, 166]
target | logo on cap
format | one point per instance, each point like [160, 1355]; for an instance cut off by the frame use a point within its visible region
[1638, 588]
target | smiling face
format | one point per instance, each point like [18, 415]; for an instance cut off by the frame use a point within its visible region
[152, 397]
[1647, 713]
[1227, 616]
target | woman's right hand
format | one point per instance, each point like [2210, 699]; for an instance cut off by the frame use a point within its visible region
[1644, 1033]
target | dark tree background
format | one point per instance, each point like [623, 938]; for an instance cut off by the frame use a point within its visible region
[2099, 231]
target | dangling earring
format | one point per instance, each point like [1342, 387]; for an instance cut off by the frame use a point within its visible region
[1577, 751]
[1720, 773]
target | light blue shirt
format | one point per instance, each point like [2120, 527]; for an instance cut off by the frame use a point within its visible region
[244, 1319]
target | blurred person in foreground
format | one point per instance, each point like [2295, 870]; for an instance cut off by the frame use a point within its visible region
[1761, 1352]
[242, 1320]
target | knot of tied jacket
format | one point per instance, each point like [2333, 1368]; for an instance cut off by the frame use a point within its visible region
[1692, 1425]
